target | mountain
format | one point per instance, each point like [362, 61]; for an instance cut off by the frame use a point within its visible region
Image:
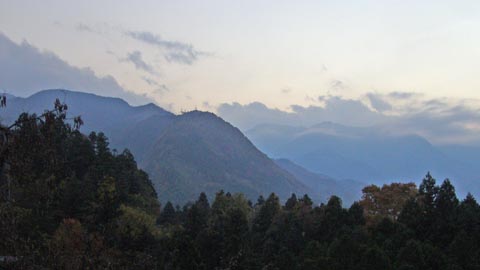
[201, 152]
[183, 154]
[367, 154]
[121, 122]
[325, 186]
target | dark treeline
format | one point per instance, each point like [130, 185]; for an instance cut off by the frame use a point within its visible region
[69, 202]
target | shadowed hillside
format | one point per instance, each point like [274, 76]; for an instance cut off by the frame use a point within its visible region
[201, 152]
[184, 155]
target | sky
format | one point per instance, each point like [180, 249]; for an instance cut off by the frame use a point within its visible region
[394, 57]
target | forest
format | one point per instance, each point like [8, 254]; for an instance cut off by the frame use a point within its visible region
[68, 201]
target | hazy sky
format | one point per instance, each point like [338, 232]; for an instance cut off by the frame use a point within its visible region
[186, 54]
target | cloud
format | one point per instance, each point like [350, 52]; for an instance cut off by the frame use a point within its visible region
[378, 103]
[174, 51]
[324, 68]
[136, 59]
[150, 82]
[286, 90]
[310, 99]
[440, 120]
[444, 121]
[207, 106]
[25, 70]
[336, 109]
[162, 88]
[256, 113]
[337, 85]
[402, 95]
[81, 27]
[103, 29]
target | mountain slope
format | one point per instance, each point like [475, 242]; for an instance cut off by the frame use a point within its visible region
[348, 190]
[184, 155]
[121, 122]
[366, 154]
[201, 152]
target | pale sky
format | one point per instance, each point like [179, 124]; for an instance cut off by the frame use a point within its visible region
[187, 54]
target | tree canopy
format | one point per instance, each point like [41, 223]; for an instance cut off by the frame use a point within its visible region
[68, 201]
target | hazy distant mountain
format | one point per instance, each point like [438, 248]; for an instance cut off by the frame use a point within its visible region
[202, 152]
[367, 154]
[325, 186]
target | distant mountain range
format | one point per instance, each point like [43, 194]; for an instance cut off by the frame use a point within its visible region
[369, 155]
[197, 151]
[183, 154]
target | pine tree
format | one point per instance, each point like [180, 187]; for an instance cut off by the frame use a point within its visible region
[168, 215]
[446, 204]
[291, 202]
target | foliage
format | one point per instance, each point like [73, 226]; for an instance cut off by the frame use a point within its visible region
[69, 202]
[387, 201]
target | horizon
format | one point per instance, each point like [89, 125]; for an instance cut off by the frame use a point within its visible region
[250, 116]
[368, 66]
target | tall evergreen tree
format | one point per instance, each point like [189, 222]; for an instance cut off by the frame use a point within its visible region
[168, 214]
[291, 202]
[446, 204]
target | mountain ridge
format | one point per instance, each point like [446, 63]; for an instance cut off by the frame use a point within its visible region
[367, 154]
[199, 151]
[232, 161]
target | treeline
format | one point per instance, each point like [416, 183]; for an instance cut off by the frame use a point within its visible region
[69, 202]
[433, 230]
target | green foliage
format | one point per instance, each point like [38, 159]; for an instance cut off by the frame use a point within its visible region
[168, 214]
[68, 202]
[134, 224]
[67, 195]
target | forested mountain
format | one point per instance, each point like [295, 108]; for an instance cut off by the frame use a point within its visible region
[342, 153]
[184, 154]
[200, 152]
[127, 126]
[367, 154]
[68, 202]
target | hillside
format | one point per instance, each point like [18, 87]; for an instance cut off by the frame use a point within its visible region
[201, 152]
[348, 190]
[184, 155]
[68, 202]
[121, 122]
[63, 194]
[366, 154]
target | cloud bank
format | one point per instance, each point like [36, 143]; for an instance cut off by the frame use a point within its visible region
[25, 70]
[441, 121]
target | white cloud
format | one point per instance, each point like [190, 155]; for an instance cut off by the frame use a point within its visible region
[442, 121]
